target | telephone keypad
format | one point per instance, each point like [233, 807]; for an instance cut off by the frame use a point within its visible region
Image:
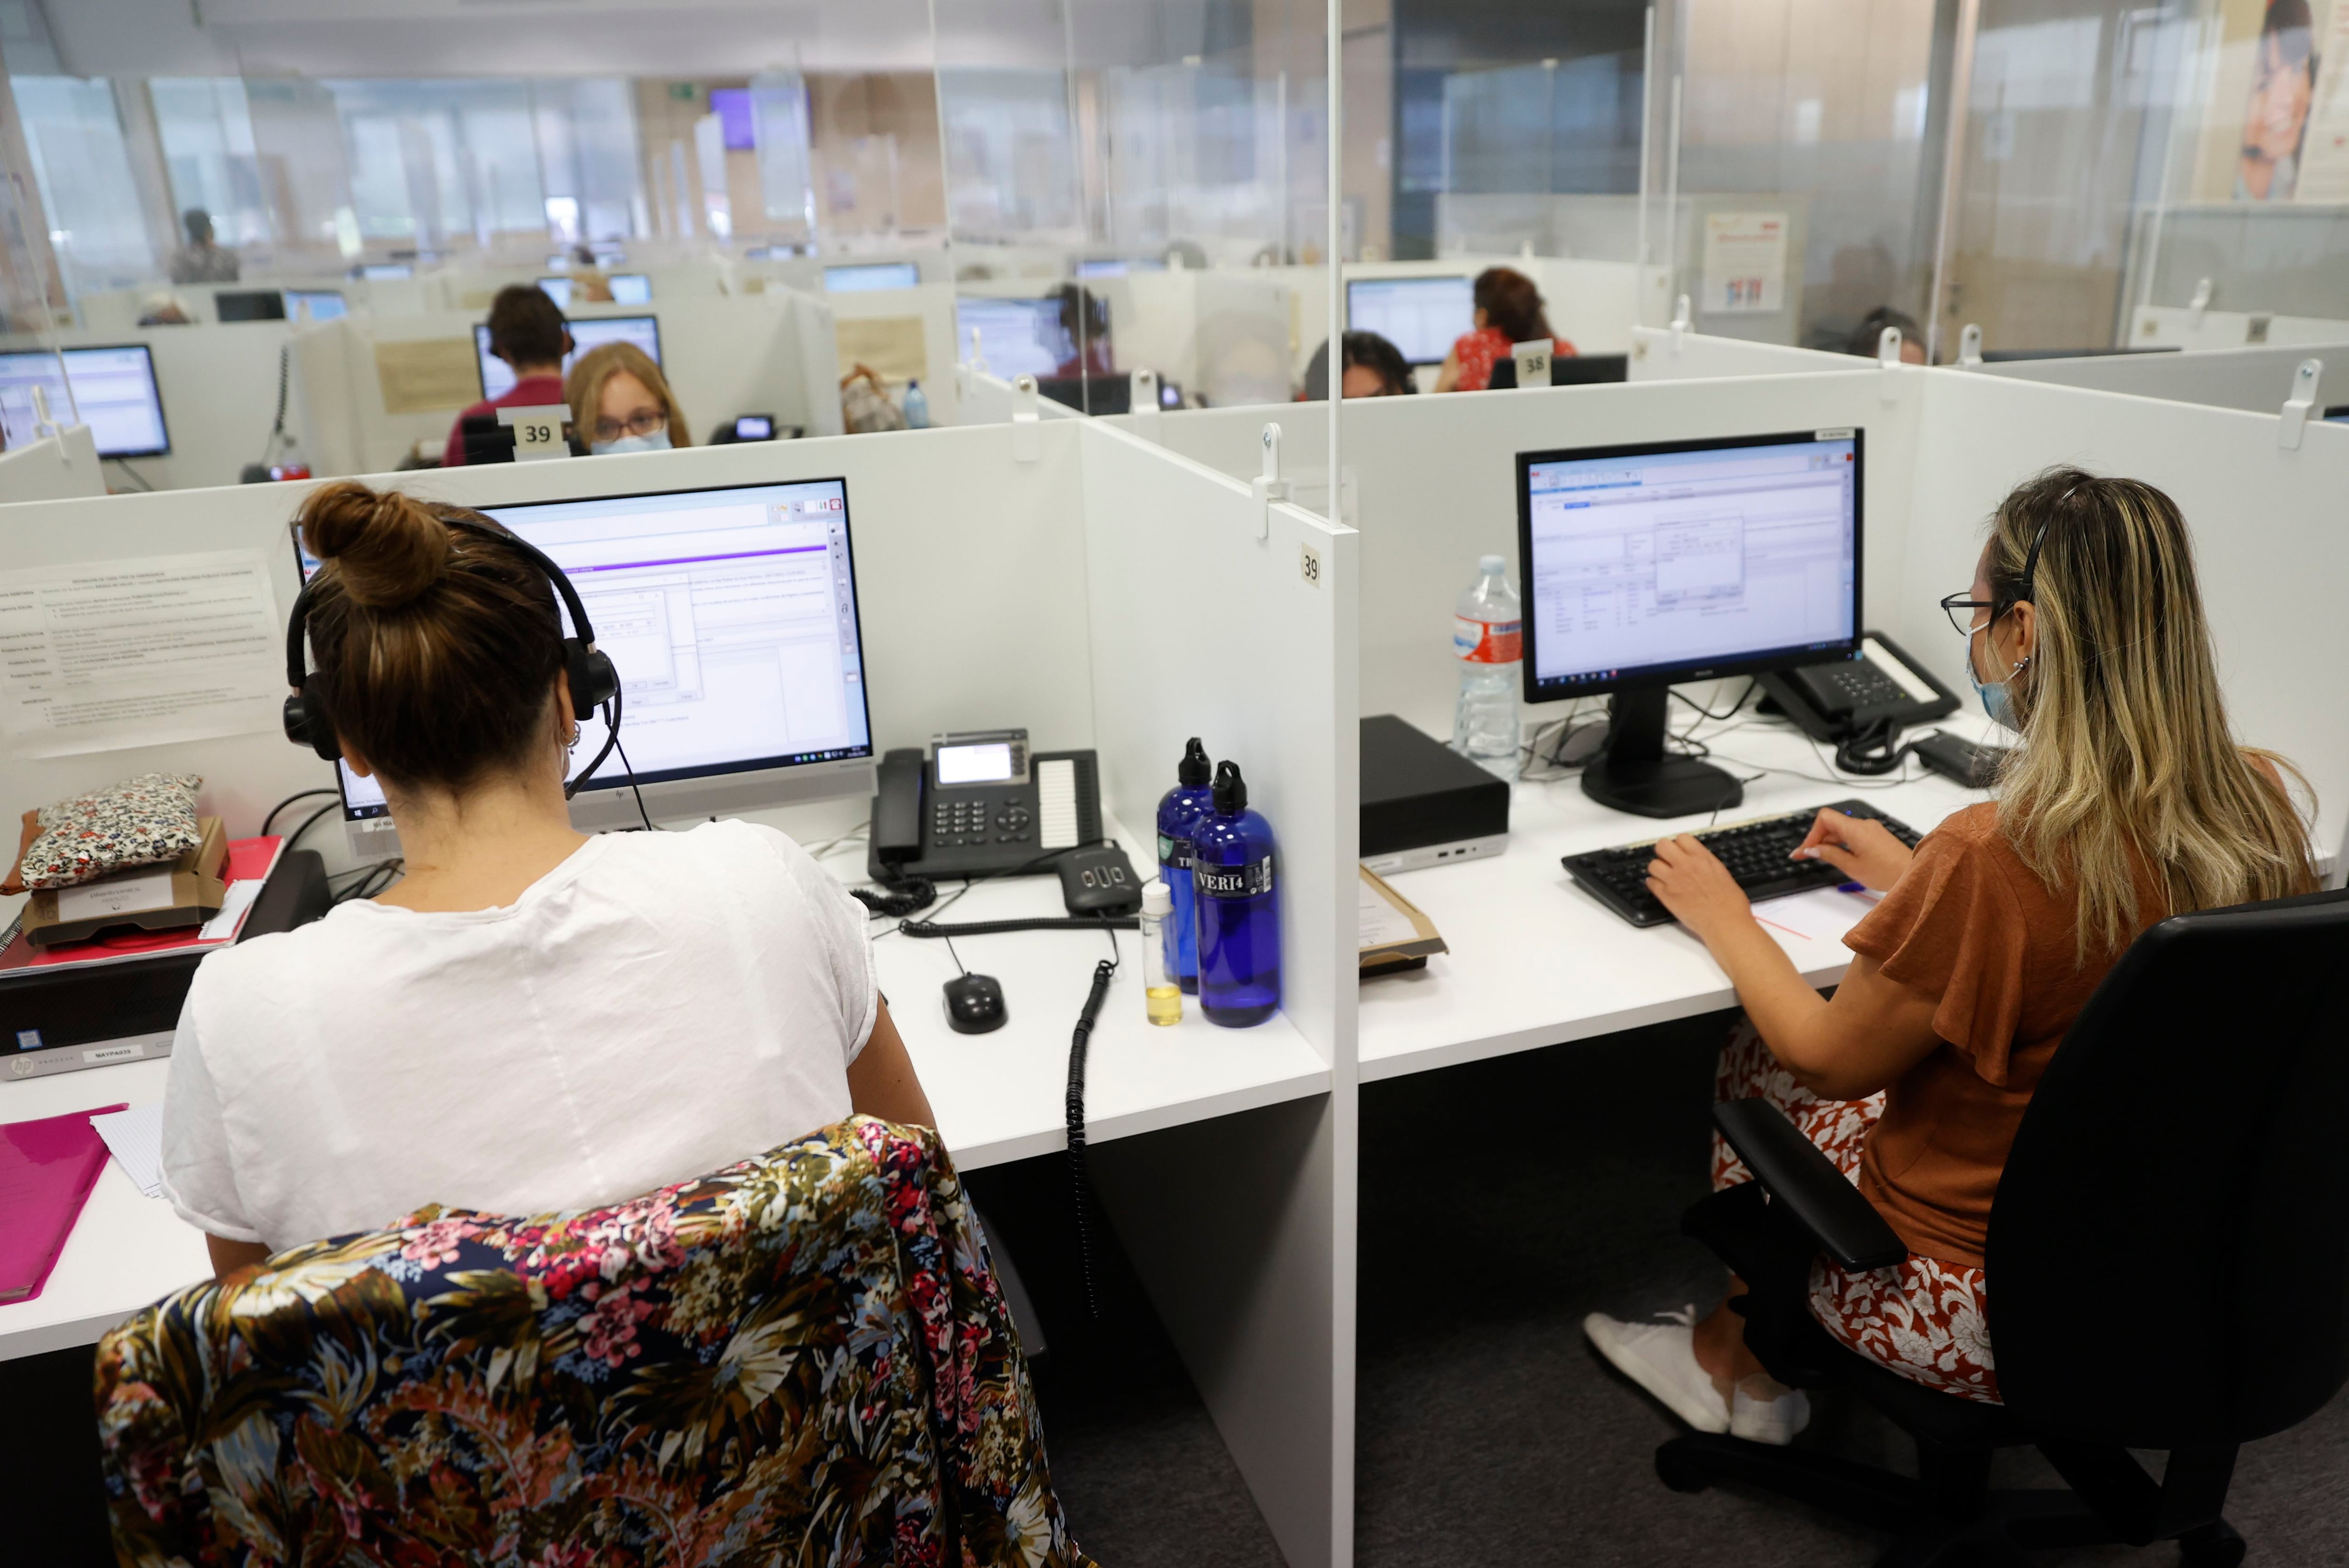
[981, 818]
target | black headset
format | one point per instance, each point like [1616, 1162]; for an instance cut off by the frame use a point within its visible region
[587, 669]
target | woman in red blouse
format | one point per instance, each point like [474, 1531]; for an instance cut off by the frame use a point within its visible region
[1508, 312]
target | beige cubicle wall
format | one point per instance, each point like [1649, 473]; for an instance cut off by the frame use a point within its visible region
[54, 468]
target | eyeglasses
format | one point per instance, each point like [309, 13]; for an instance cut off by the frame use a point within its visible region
[1962, 610]
[643, 422]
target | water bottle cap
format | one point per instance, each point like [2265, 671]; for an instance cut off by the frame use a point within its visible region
[1492, 566]
[1156, 899]
[1231, 790]
[1194, 770]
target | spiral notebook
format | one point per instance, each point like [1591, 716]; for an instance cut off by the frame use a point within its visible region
[46, 1170]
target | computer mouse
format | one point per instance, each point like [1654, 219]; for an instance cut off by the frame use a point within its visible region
[975, 1003]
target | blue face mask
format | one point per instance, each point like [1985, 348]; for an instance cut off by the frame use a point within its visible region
[656, 442]
[1994, 700]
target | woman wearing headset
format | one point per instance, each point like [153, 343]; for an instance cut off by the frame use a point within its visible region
[2127, 799]
[531, 1019]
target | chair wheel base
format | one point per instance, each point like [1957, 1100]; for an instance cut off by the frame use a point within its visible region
[2214, 1545]
[1681, 1467]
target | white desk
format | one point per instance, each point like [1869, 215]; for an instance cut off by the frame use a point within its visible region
[998, 1097]
[1535, 961]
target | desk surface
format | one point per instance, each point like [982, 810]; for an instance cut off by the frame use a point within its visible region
[1534, 961]
[999, 1096]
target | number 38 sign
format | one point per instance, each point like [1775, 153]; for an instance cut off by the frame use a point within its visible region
[537, 432]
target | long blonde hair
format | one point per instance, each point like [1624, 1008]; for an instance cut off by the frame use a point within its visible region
[2126, 750]
[584, 389]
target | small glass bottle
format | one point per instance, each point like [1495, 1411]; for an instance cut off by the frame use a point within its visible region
[1238, 911]
[1160, 994]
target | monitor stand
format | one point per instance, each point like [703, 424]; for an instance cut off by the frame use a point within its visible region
[1634, 774]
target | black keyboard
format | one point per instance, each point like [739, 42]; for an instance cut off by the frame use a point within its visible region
[1755, 854]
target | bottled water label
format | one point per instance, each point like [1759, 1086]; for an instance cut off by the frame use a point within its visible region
[1234, 882]
[1173, 852]
[1487, 642]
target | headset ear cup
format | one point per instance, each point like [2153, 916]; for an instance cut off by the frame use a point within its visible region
[594, 682]
[305, 723]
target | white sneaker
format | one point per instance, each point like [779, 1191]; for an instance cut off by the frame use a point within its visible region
[1662, 1358]
[1754, 1413]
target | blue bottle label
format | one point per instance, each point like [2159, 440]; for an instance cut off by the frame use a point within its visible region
[1173, 852]
[1234, 882]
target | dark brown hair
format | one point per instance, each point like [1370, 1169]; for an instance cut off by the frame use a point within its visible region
[526, 328]
[435, 647]
[1510, 303]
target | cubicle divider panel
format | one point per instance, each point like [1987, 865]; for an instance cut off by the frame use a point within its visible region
[2270, 549]
[1661, 354]
[2255, 380]
[62, 467]
[970, 568]
[2181, 326]
[903, 333]
[983, 397]
[1219, 614]
[807, 345]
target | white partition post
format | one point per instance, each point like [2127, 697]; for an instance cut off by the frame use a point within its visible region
[1243, 1227]
[55, 467]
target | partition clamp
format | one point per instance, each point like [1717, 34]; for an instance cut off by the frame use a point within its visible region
[1887, 365]
[1969, 352]
[43, 425]
[1268, 486]
[2200, 303]
[1026, 446]
[1143, 405]
[1682, 323]
[2296, 409]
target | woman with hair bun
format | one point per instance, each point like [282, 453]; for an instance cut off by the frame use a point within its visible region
[530, 1019]
[1509, 311]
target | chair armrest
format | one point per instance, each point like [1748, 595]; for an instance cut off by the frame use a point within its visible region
[1817, 1195]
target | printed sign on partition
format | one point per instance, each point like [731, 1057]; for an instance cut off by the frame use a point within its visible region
[1744, 263]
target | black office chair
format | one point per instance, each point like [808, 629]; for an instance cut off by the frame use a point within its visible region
[2190, 1123]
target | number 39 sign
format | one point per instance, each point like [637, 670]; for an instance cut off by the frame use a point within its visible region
[538, 431]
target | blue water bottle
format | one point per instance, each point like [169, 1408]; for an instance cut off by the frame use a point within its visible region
[1179, 811]
[1239, 911]
[918, 408]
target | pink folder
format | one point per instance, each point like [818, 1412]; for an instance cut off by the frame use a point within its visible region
[46, 1170]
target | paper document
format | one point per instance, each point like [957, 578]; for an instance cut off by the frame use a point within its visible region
[427, 374]
[1382, 923]
[115, 654]
[1817, 918]
[136, 1137]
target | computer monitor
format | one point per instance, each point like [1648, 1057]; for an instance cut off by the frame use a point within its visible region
[386, 271]
[868, 276]
[558, 290]
[1421, 316]
[318, 304]
[114, 392]
[631, 288]
[587, 333]
[250, 305]
[1015, 336]
[2338, 413]
[1650, 564]
[732, 617]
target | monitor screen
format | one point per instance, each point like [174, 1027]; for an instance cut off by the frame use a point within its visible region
[864, 276]
[732, 617]
[250, 305]
[558, 290]
[2338, 413]
[1015, 336]
[316, 304]
[114, 392]
[1684, 560]
[587, 333]
[631, 288]
[386, 271]
[1104, 269]
[1421, 316]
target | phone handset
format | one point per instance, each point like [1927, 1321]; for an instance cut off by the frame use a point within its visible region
[897, 807]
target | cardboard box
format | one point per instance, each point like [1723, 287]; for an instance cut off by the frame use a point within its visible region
[164, 896]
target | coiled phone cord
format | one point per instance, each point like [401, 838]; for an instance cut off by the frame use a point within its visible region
[1080, 1180]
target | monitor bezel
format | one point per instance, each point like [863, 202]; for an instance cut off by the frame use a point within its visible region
[1650, 676]
[1353, 284]
[749, 783]
[154, 385]
[481, 354]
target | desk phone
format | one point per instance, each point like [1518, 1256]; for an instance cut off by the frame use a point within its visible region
[979, 804]
[1878, 685]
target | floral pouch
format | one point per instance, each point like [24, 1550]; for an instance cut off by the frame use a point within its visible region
[134, 823]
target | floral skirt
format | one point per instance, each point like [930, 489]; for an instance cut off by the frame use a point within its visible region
[1921, 1318]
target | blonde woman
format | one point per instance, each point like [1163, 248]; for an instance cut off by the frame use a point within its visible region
[620, 402]
[2127, 799]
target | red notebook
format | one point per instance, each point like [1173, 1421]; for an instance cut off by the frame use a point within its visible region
[46, 1170]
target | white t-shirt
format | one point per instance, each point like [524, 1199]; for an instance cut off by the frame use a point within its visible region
[657, 1006]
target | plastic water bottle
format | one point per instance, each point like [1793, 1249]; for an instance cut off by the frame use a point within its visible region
[917, 406]
[1178, 812]
[1160, 996]
[1238, 908]
[1486, 631]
